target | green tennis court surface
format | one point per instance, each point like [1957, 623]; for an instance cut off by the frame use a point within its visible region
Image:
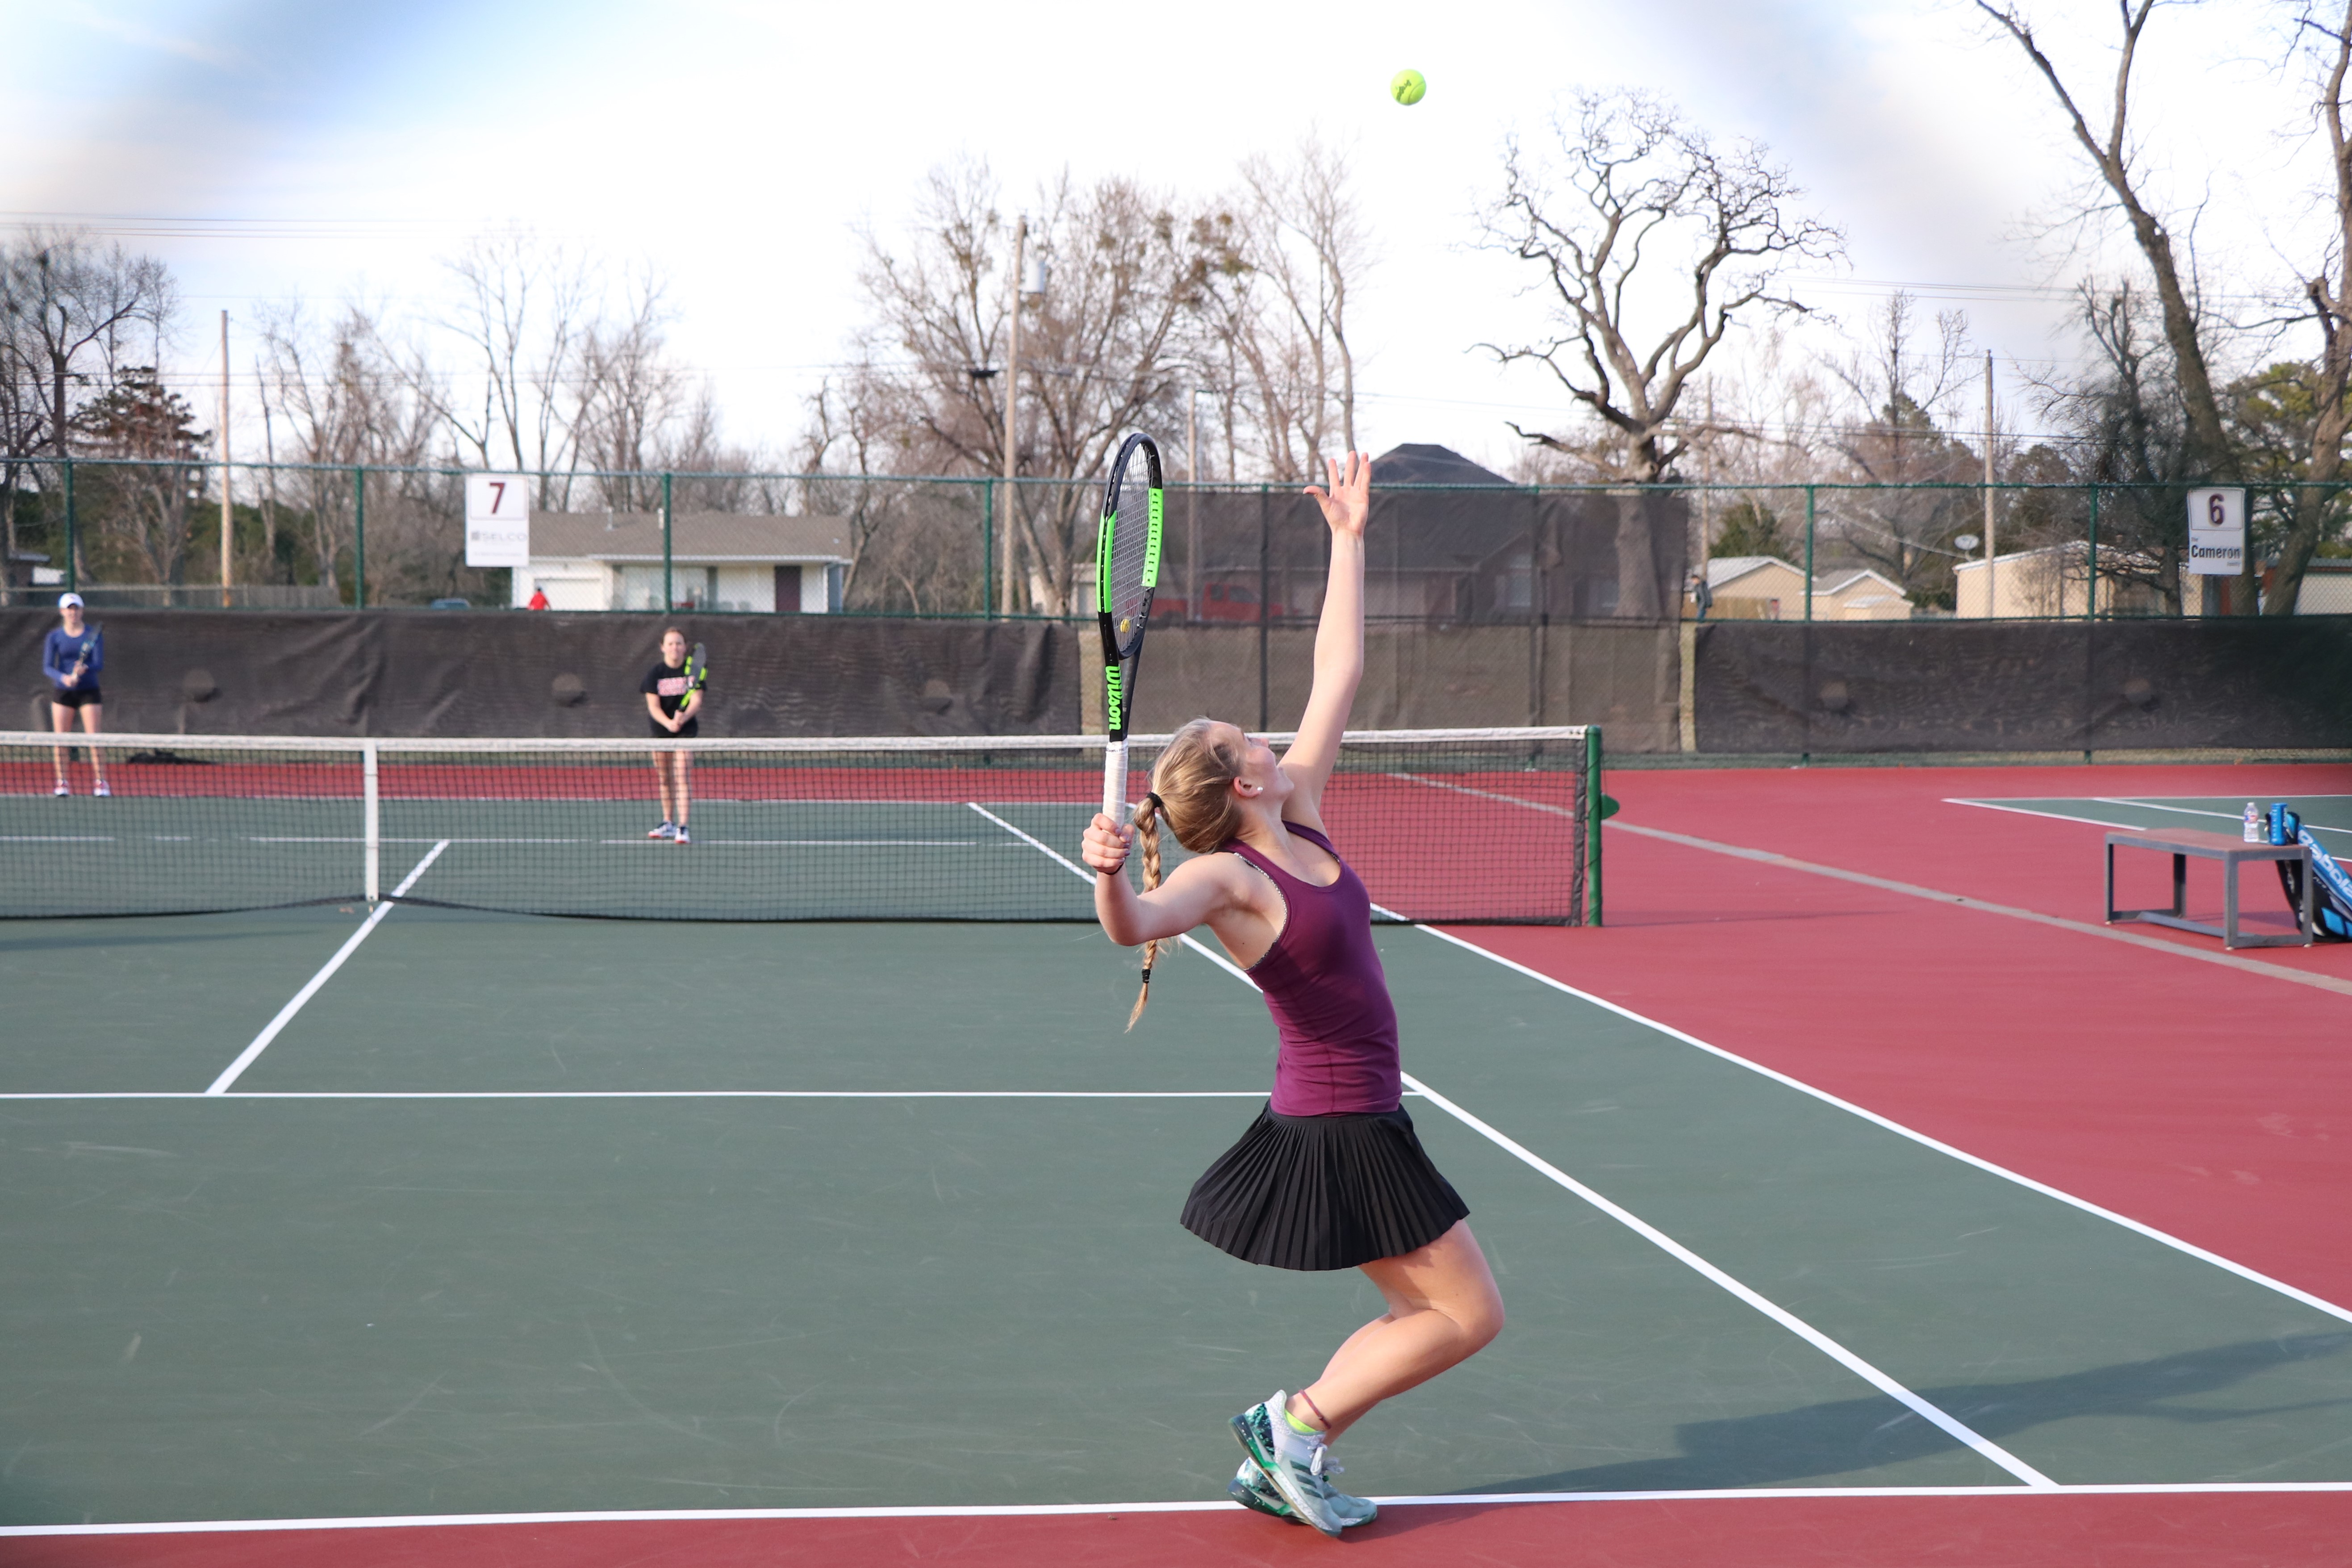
[520, 1215]
[2329, 817]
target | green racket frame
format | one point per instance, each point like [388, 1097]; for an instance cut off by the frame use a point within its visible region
[1122, 647]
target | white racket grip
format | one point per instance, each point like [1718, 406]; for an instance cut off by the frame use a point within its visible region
[1115, 781]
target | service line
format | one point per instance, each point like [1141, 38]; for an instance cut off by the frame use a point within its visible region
[246, 1058]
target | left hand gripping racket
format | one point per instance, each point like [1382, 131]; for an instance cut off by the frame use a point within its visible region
[1127, 571]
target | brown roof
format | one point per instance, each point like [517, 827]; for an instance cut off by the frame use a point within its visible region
[697, 537]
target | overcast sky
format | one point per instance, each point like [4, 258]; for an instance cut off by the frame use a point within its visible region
[270, 148]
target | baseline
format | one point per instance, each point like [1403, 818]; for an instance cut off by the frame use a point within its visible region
[1188, 1505]
[656, 1094]
[251, 1053]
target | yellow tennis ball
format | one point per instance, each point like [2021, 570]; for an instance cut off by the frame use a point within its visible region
[1407, 86]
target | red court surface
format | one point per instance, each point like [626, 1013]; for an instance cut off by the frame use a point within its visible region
[2061, 1530]
[2211, 1102]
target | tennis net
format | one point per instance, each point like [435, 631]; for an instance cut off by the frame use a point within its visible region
[1461, 826]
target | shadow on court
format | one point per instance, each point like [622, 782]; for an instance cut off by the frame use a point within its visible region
[1846, 1436]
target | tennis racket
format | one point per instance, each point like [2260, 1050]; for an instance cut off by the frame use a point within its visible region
[698, 670]
[1127, 571]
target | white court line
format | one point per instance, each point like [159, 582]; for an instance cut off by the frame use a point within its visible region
[2226, 958]
[244, 1058]
[1066, 864]
[1925, 1409]
[1189, 1505]
[2200, 811]
[1950, 1425]
[2032, 811]
[2150, 1231]
[662, 1094]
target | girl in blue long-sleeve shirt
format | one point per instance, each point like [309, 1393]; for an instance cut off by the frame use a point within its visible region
[71, 657]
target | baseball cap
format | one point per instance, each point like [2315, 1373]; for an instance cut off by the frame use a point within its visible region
[73, 600]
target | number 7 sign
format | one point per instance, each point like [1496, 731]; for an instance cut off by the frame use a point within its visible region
[498, 520]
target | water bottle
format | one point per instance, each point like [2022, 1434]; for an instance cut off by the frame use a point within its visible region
[2277, 824]
[2253, 823]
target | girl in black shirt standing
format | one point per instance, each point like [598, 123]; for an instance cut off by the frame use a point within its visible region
[673, 702]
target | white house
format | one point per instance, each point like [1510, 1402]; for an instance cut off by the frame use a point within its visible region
[2049, 581]
[717, 561]
[1767, 588]
[2326, 588]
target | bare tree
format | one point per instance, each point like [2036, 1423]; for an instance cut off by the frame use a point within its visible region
[73, 315]
[1633, 183]
[523, 312]
[631, 399]
[2130, 421]
[1287, 267]
[1101, 352]
[349, 400]
[2329, 293]
[1903, 391]
[2110, 154]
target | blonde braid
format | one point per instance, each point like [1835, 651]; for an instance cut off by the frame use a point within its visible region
[1147, 837]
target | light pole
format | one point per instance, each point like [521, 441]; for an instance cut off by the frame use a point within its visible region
[1013, 417]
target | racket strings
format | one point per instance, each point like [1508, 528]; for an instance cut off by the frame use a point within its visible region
[1130, 550]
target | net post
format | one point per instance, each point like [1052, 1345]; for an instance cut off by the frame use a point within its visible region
[73, 545]
[371, 827]
[669, 594]
[1592, 814]
[359, 538]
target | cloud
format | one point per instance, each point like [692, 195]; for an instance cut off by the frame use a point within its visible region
[133, 33]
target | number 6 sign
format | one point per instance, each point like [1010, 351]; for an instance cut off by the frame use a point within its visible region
[498, 520]
[2217, 532]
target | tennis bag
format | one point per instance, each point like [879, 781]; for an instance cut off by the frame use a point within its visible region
[2331, 904]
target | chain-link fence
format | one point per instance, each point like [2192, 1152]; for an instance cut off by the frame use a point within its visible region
[2005, 551]
[149, 534]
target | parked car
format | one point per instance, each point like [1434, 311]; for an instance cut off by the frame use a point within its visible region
[453, 605]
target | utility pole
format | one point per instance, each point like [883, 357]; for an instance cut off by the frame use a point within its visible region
[1992, 586]
[1707, 492]
[228, 518]
[1011, 414]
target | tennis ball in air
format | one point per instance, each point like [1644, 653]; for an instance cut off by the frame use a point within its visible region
[1407, 86]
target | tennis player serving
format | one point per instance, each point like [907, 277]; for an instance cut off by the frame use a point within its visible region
[1331, 1175]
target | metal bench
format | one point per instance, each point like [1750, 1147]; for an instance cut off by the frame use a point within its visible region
[2181, 844]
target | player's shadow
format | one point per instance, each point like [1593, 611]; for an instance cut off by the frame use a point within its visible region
[1848, 1436]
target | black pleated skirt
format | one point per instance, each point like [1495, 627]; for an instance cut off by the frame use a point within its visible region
[1323, 1192]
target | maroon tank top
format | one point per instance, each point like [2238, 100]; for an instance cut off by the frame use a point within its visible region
[1330, 998]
